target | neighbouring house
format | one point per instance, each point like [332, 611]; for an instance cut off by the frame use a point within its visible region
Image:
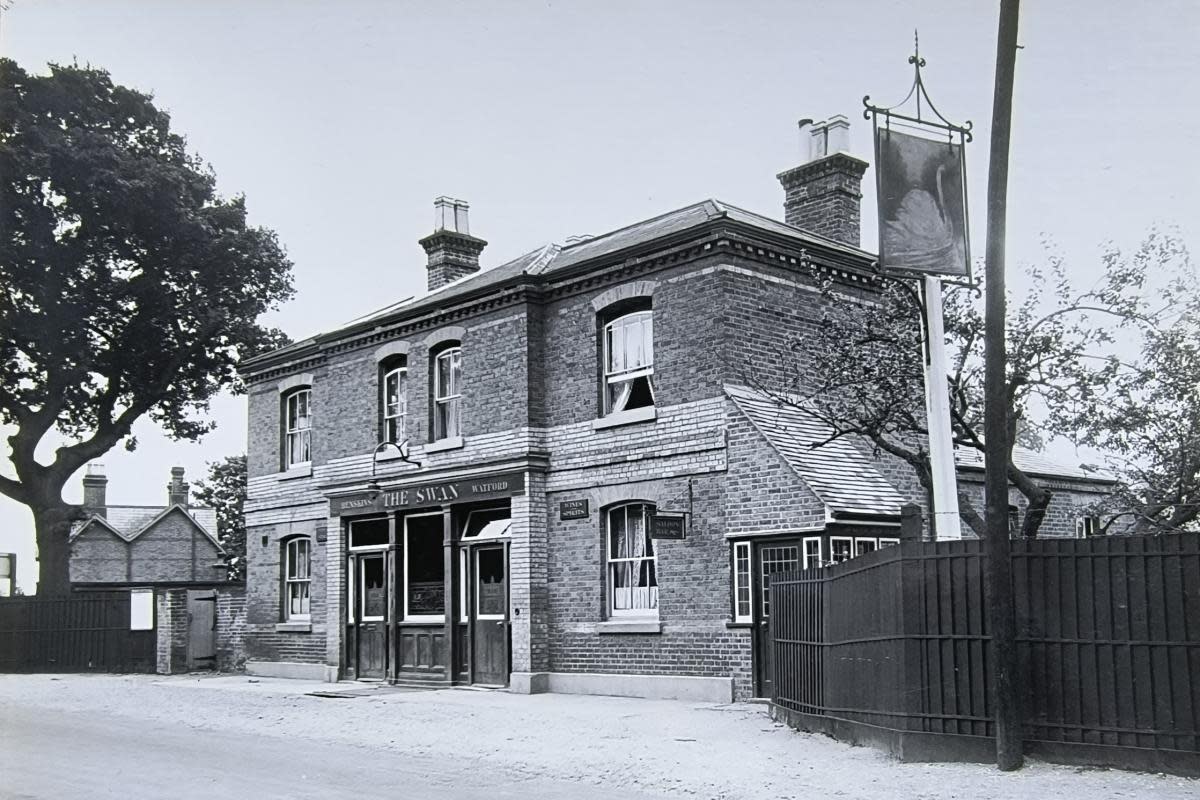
[120, 546]
[551, 474]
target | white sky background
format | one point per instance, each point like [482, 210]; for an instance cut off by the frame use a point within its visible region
[341, 121]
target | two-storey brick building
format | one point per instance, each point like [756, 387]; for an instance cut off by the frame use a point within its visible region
[549, 408]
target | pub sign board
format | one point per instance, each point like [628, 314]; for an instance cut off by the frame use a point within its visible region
[668, 526]
[432, 493]
[573, 509]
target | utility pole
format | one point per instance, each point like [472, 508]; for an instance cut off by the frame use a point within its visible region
[998, 579]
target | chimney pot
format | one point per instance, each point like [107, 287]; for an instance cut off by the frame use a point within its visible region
[452, 251]
[95, 489]
[178, 490]
[824, 194]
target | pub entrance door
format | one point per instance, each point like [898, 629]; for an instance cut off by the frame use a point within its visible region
[489, 616]
[774, 556]
[370, 614]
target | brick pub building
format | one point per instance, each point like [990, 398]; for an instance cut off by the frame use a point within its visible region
[550, 406]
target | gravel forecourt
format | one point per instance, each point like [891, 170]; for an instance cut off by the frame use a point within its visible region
[605, 746]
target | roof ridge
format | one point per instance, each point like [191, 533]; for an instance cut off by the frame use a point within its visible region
[637, 224]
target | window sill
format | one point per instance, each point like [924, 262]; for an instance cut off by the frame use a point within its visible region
[293, 627]
[451, 443]
[731, 624]
[629, 626]
[302, 471]
[647, 414]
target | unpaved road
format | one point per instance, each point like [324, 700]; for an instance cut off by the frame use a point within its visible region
[228, 737]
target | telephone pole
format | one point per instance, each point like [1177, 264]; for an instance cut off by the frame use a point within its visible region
[998, 579]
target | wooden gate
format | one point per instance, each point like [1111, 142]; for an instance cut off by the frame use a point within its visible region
[73, 633]
[202, 628]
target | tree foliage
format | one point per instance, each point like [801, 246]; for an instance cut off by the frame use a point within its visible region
[131, 288]
[1146, 418]
[225, 491]
[860, 372]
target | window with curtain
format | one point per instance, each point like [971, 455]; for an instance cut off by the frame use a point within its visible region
[632, 566]
[629, 362]
[297, 447]
[296, 578]
[395, 401]
[447, 394]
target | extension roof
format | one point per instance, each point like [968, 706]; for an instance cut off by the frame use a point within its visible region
[1034, 464]
[130, 522]
[844, 478]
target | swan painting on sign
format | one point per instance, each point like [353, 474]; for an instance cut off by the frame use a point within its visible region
[922, 215]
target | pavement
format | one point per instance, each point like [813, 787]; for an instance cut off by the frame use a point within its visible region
[211, 737]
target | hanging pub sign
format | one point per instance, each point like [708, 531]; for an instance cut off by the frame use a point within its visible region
[922, 205]
[668, 526]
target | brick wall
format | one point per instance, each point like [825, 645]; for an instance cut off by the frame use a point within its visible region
[173, 550]
[231, 628]
[98, 555]
[171, 623]
[264, 596]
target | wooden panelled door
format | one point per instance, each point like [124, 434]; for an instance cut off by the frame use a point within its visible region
[371, 615]
[489, 616]
[781, 556]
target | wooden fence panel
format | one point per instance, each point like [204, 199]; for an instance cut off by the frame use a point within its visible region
[1108, 641]
[73, 633]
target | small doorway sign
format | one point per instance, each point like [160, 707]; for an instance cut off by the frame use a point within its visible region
[668, 526]
[573, 509]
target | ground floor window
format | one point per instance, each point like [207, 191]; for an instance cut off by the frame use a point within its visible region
[812, 553]
[742, 608]
[632, 567]
[841, 548]
[424, 568]
[296, 579]
[782, 558]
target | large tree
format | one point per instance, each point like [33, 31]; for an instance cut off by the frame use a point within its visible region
[860, 371]
[130, 288]
[225, 491]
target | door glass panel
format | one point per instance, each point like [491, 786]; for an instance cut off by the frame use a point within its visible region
[492, 591]
[776, 559]
[425, 579]
[374, 595]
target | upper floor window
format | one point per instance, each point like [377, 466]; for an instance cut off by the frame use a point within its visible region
[296, 579]
[632, 566]
[297, 447]
[395, 401]
[629, 362]
[447, 394]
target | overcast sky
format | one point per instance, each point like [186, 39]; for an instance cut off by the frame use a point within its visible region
[341, 121]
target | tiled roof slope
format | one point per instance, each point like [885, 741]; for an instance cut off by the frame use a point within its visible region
[1032, 463]
[552, 258]
[845, 479]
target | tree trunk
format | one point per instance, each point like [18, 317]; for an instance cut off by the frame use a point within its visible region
[53, 526]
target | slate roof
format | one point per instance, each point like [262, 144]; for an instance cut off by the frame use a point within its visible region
[841, 476]
[130, 522]
[551, 259]
[1032, 463]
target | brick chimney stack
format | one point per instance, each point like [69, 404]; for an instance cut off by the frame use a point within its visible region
[95, 489]
[453, 252]
[824, 194]
[178, 490]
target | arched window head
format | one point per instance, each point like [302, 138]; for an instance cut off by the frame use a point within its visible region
[628, 345]
[447, 392]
